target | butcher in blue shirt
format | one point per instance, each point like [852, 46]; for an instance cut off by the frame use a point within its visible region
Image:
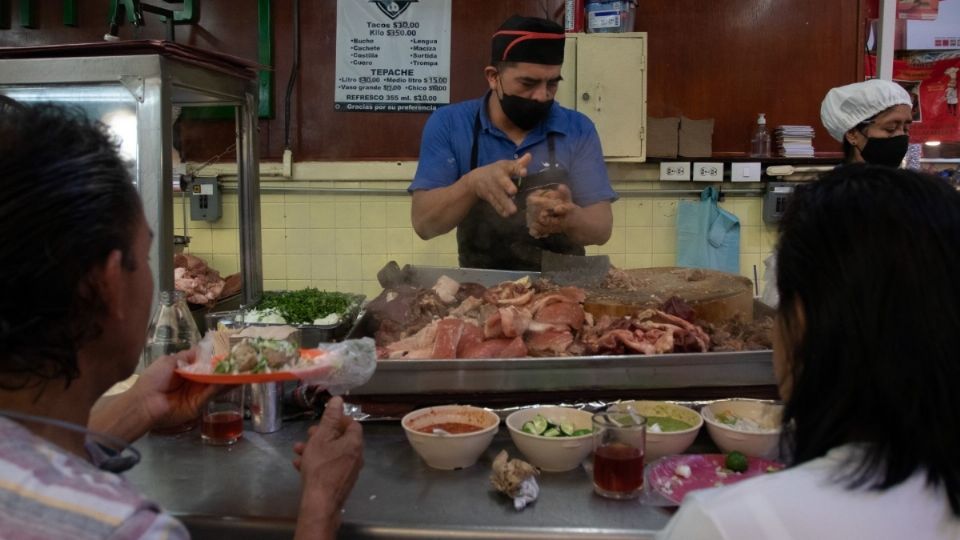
[513, 171]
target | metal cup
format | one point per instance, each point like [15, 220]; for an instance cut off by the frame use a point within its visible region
[266, 407]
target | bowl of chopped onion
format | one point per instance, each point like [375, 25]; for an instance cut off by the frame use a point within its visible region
[744, 425]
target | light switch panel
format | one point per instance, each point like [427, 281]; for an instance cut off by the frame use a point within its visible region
[675, 170]
[707, 171]
[748, 171]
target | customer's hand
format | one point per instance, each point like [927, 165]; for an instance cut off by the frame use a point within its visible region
[329, 463]
[160, 398]
[167, 398]
[494, 183]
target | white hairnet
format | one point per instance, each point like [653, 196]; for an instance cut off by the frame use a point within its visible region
[846, 106]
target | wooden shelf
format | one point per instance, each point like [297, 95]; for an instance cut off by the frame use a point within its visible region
[826, 158]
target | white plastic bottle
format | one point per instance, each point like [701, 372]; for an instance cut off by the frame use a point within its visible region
[760, 142]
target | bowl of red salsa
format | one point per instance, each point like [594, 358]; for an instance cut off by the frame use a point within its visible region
[450, 436]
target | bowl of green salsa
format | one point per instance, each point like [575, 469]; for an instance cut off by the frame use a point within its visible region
[671, 428]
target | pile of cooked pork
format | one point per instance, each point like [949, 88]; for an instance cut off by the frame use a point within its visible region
[201, 284]
[523, 318]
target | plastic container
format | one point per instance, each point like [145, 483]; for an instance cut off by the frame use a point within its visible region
[608, 16]
[573, 15]
[760, 141]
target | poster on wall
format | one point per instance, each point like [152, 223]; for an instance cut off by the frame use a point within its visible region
[931, 80]
[392, 56]
[923, 10]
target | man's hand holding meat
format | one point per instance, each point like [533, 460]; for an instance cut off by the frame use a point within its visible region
[547, 210]
[494, 183]
[552, 211]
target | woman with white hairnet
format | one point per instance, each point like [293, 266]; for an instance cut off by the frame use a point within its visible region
[872, 119]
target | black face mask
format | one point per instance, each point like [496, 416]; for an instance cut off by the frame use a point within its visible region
[887, 151]
[524, 113]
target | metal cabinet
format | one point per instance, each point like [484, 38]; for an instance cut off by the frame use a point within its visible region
[605, 77]
[134, 94]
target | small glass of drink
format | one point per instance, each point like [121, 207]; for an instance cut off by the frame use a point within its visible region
[222, 422]
[618, 447]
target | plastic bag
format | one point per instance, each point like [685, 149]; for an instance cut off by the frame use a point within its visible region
[352, 361]
[707, 235]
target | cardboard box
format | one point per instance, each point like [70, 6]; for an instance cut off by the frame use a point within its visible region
[663, 137]
[696, 137]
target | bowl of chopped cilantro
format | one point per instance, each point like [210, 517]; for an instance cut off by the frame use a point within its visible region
[321, 316]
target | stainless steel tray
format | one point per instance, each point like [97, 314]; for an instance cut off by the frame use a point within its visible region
[569, 373]
[635, 372]
[310, 334]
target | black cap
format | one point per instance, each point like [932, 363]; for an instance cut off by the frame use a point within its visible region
[528, 39]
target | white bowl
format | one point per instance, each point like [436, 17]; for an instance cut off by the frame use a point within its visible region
[552, 454]
[450, 451]
[762, 442]
[665, 443]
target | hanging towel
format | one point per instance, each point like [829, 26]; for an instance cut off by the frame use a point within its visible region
[707, 235]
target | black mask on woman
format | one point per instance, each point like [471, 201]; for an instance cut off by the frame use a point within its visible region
[887, 151]
[523, 112]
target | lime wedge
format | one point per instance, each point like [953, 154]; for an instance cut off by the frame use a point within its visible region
[552, 432]
[579, 432]
[567, 428]
[528, 428]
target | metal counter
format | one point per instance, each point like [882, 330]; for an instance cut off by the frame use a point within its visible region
[251, 490]
[686, 370]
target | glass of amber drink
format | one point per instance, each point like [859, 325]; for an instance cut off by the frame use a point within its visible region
[618, 448]
[222, 422]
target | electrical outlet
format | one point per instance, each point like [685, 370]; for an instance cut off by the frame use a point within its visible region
[745, 172]
[675, 170]
[707, 171]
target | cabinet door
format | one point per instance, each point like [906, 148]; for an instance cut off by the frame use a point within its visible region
[567, 93]
[611, 89]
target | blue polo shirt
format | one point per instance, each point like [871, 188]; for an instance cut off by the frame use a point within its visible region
[448, 139]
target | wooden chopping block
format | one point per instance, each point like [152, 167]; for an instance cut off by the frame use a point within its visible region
[714, 296]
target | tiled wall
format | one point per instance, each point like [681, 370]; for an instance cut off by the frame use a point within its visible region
[339, 242]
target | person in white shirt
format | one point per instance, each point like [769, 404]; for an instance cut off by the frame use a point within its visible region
[865, 358]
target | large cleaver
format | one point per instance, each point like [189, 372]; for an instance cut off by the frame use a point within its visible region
[585, 271]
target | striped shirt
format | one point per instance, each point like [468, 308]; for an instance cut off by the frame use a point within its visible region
[48, 493]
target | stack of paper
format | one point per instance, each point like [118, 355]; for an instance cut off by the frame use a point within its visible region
[793, 141]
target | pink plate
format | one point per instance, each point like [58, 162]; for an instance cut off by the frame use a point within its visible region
[706, 471]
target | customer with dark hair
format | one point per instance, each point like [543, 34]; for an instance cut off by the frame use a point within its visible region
[865, 358]
[75, 292]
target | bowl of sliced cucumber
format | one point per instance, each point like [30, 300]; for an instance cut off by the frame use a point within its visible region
[555, 439]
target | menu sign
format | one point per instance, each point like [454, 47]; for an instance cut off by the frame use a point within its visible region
[392, 56]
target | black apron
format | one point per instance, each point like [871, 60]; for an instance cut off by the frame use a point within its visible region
[487, 240]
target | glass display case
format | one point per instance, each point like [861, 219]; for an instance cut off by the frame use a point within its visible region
[133, 87]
